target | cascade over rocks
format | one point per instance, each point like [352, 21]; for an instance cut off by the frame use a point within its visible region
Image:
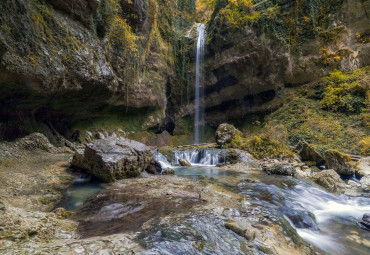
[112, 159]
[339, 162]
[225, 133]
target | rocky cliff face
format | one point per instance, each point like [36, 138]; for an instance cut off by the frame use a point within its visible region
[130, 63]
[69, 61]
[280, 44]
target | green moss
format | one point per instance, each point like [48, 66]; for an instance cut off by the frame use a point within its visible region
[304, 117]
[292, 23]
[261, 146]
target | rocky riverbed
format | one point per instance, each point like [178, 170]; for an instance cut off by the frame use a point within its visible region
[230, 209]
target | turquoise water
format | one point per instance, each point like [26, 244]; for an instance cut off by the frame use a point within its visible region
[78, 193]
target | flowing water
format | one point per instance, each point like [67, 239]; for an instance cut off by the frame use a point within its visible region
[199, 90]
[327, 221]
[196, 157]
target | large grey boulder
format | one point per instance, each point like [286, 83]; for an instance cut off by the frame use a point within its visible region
[112, 159]
[339, 162]
[225, 133]
[330, 180]
[308, 153]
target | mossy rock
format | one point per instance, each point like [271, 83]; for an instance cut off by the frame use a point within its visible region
[339, 162]
[225, 133]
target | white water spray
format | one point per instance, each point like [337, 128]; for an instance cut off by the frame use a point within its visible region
[199, 90]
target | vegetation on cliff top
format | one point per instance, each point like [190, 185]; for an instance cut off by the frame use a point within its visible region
[330, 114]
[291, 23]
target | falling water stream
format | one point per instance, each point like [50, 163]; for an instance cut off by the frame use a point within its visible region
[199, 90]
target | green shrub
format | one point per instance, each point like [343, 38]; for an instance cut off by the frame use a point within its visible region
[364, 145]
[262, 146]
[343, 92]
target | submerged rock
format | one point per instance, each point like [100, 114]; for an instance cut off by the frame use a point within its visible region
[225, 133]
[184, 162]
[111, 159]
[365, 223]
[308, 153]
[339, 162]
[329, 179]
[154, 167]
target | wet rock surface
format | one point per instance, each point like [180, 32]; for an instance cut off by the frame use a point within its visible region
[365, 223]
[184, 162]
[230, 211]
[329, 179]
[127, 205]
[111, 158]
[154, 167]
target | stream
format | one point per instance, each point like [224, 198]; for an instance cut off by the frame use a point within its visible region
[325, 220]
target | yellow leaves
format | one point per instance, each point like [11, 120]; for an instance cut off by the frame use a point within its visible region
[121, 36]
[343, 93]
[261, 146]
[364, 145]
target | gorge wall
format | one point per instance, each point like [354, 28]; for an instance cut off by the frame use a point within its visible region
[76, 65]
[251, 61]
[76, 62]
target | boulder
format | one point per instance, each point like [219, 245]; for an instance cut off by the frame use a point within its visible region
[365, 223]
[78, 159]
[364, 166]
[280, 168]
[35, 141]
[225, 133]
[168, 171]
[184, 162]
[308, 153]
[234, 156]
[154, 167]
[365, 183]
[283, 169]
[111, 159]
[329, 179]
[339, 162]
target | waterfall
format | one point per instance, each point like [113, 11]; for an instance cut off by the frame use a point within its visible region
[203, 157]
[162, 160]
[197, 157]
[199, 90]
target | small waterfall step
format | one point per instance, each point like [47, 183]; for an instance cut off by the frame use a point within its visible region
[196, 157]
